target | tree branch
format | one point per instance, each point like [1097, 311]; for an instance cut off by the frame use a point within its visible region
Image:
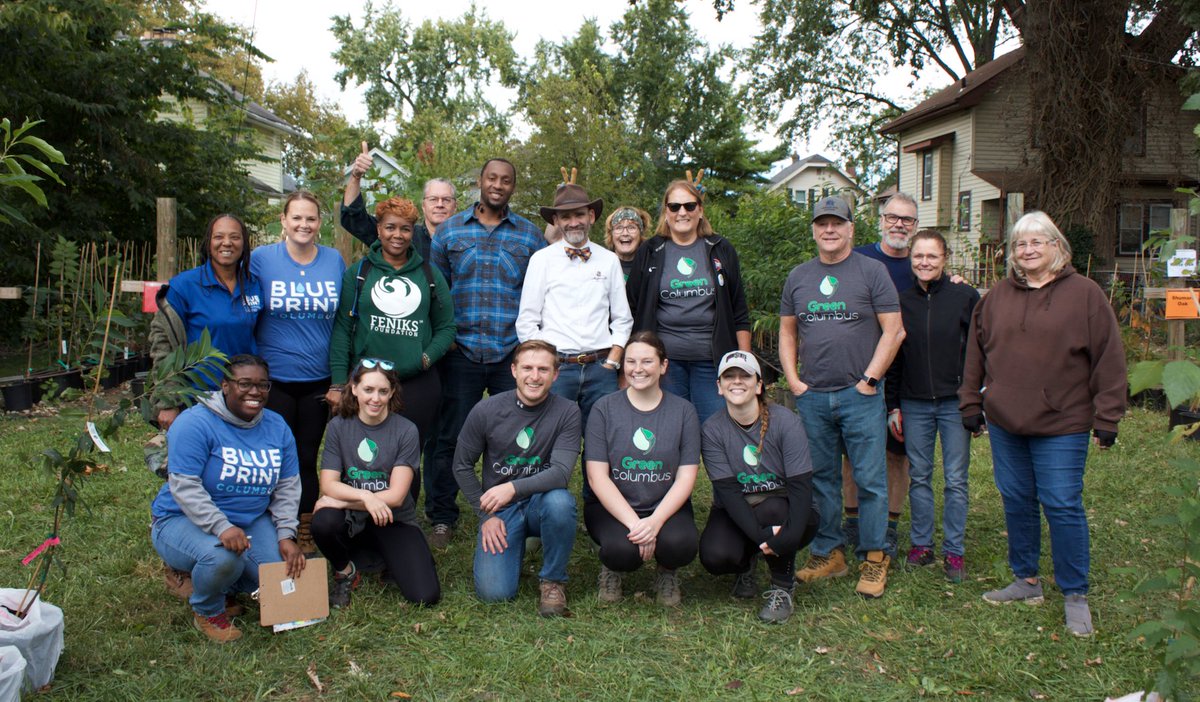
[1166, 34]
[1016, 13]
[860, 93]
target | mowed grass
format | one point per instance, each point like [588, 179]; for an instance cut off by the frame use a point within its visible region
[127, 639]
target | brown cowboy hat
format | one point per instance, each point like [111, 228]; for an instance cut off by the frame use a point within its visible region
[571, 197]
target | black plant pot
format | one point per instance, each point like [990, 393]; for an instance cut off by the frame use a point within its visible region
[1151, 399]
[18, 393]
[137, 386]
[1184, 417]
[60, 380]
[111, 377]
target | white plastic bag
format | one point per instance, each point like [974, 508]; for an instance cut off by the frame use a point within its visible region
[39, 636]
[12, 673]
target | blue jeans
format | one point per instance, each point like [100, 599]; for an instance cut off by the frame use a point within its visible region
[215, 571]
[549, 515]
[1046, 471]
[924, 420]
[859, 422]
[696, 382]
[465, 382]
[584, 384]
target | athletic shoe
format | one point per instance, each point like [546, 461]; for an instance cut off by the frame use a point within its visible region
[920, 556]
[666, 588]
[439, 536]
[553, 600]
[778, 608]
[610, 585]
[872, 577]
[218, 628]
[850, 534]
[745, 585]
[821, 567]
[1079, 617]
[343, 585]
[1017, 591]
[178, 582]
[890, 540]
[954, 567]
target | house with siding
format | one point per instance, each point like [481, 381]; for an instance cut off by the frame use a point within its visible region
[966, 155]
[806, 180]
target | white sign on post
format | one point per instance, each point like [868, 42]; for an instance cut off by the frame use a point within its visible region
[1182, 264]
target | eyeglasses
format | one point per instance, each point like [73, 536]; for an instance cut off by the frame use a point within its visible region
[689, 206]
[890, 219]
[443, 200]
[1031, 244]
[246, 385]
[372, 363]
[626, 228]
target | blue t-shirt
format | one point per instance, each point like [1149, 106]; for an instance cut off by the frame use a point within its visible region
[899, 269]
[300, 302]
[239, 467]
[203, 302]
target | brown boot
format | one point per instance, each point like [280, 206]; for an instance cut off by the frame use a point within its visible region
[178, 582]
[553, 601]
[304, 537]
[218, 628]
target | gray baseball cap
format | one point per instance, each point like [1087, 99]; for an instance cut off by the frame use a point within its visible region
[835, 206]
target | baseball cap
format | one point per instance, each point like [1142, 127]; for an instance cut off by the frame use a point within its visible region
[835, 206]
[740, 359]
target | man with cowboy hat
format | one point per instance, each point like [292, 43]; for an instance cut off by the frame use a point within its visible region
[574, 298]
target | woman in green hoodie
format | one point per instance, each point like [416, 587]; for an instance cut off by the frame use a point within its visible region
[394, 306]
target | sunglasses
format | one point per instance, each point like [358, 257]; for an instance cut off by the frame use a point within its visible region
[689, 206]
[373, 363]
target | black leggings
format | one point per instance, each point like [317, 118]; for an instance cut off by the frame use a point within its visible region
[724, 548]
[675, 548]
[402, 546]
[422, 396]
[302, 406]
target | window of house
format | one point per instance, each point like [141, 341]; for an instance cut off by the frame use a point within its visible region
[812, 197]
[964, 211]
[1135, 139]
[927, 175]
[1135, 223]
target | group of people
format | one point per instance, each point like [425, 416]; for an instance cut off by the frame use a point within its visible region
[641, 353]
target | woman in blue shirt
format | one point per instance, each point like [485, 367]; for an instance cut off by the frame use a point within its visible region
[300, 281]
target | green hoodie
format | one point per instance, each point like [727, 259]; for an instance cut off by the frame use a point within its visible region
[395, 320]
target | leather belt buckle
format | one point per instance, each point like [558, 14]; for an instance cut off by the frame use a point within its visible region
[582, 359]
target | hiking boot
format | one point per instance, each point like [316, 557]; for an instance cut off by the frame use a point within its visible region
[745, 585]
[850, 534]
[439, 536]
[778, 608]
[1017, 591]
[343, 585]
[666, 588]
[920, 556]
[233, 608]
[872, 578]
[954, 567]
[178, 582]
[1079, 617]
[821, 567]
[304, 537]
[218, 628]
[610, 585]
[553, 600]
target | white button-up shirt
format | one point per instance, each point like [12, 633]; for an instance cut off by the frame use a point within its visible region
[577, 305]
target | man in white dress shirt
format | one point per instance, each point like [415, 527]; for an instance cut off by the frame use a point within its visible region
[574, 298]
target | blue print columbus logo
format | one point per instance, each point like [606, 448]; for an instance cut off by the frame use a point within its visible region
[396, 297]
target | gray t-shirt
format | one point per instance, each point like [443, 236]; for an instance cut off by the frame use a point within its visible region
[535, 448]
[731, 451]
[835, 307]
[643, 450]
[687, 302]
[366, 456]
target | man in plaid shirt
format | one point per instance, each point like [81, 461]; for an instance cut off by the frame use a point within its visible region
[483, 252]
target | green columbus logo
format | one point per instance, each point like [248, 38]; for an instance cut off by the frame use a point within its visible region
[829, 285]
[686, 266]
[367, 451]
[525, 438]
[643, 439]
[750, 455]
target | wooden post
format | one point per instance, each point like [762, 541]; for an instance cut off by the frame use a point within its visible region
[168, 256]
[1175, 330]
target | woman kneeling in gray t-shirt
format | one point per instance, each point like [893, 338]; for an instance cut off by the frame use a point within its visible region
[756, 455]
[642, 451]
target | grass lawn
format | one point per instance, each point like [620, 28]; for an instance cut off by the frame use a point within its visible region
[127, 639]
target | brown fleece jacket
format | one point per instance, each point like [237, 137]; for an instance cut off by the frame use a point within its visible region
[1045, 361]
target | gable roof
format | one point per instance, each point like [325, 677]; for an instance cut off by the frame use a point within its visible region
[810, 161]
[378, 156]
[959, 95]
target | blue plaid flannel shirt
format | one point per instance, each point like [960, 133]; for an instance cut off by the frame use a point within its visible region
[486, 271]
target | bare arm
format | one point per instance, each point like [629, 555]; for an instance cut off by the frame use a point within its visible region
[885, 349]
[362, 164]
[789, 346]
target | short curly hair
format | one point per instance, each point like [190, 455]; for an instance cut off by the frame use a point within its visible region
[398, 206]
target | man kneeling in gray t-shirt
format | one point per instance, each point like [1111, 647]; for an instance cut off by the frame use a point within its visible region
[529, 440]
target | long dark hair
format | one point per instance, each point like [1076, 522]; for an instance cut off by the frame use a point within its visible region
[348, 407]
[243, 263]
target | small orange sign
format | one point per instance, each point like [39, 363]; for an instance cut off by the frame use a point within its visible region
[1183, 303]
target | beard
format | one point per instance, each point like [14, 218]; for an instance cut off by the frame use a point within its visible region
[575, 237]
[896, 241]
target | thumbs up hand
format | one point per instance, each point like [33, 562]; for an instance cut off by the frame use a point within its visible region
[362, 163]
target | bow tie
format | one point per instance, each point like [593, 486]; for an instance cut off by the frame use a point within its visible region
[574, 253]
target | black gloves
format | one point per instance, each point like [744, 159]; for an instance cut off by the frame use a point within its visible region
[1105, 439]
[973, 424]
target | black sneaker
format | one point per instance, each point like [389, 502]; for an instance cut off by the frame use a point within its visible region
[745, 585]
[850, 532]
[343, 585]
[889, 542]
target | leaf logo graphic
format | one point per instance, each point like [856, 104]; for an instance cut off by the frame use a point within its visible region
[686, 266]
[525, 438]
[643, 439]
[367, 451]
[750, 455]
[829, 285]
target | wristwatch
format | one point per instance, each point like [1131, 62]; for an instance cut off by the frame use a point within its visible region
[610, 364]
[871, 382]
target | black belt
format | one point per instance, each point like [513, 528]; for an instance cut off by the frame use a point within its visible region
[583, 358]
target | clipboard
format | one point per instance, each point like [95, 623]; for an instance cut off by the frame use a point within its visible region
[283, 600]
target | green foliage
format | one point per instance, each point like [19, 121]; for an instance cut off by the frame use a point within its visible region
[182, 375]
[1083, 245]
[1180, 380]
[15, 149]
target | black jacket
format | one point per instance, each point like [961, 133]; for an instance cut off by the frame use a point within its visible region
[731, 315]
[929, 364]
